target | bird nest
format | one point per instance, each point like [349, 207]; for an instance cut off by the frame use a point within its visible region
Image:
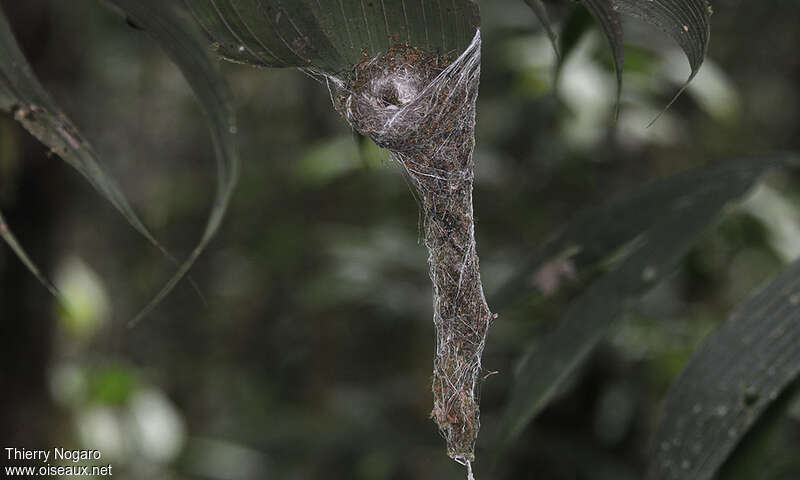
[421, 107]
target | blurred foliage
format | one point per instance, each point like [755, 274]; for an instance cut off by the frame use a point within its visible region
[312, 358]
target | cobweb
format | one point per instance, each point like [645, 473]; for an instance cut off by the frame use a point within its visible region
[421, 107]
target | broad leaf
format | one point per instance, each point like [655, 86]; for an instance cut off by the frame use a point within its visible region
[23, 96]
[181, 39]
[331, 35]
[663, 227]
[740, 369]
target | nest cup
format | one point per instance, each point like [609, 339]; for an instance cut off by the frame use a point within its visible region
[407, 99]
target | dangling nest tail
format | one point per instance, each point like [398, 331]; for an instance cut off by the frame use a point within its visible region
[421, 107]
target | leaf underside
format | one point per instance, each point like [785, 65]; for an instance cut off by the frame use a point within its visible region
[740, 369]
[331, 35]
[661, 223]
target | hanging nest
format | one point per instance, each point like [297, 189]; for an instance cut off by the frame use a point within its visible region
[421, 107]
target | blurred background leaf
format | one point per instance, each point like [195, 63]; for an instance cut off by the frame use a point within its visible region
[22, 95]
[181, 38]
[664, 220]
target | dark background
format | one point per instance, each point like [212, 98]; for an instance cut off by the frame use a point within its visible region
[312, 358]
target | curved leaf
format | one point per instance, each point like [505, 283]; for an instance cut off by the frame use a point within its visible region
[541, 13]
[611, 23]
[766, 450]
[176, 32]
[668, 227]
[331, 35]
[738, 371]
[23, 96]
[686, 21]
[595, 234]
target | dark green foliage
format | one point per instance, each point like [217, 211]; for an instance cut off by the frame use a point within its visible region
[662, 222]
[740, 369]
[594, 235]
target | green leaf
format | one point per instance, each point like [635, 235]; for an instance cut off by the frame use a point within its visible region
[740, 369]
[180, 37]
[661, 223]
[22, 95]
[331, 35]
